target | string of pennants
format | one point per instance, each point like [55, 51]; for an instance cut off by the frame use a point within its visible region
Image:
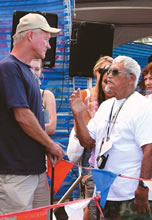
[63, 168]
[74, 209]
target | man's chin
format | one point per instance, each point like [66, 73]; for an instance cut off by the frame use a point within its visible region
[42, 57]
[108, 89]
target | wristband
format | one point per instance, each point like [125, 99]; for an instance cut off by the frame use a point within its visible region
[142, 184]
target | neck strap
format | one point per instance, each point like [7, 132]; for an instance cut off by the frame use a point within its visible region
[116, 114]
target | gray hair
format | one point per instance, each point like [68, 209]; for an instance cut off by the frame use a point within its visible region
[130, 65]
[18, 37]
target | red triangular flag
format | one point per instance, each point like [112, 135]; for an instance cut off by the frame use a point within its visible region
[36, 215]
[61, 170]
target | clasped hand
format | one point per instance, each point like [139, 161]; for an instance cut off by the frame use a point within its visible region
[141, 200]
[55, 155]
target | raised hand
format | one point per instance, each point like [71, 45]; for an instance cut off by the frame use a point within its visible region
[76, 103]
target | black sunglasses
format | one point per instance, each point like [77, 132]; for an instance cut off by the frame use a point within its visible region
[104, 69]
[116, 72]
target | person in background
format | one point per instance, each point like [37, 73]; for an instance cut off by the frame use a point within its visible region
[48, 100]
[95, 96]
[122, 127]
[23, 140]
[145, 85]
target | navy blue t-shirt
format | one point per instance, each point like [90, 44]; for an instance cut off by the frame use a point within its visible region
[19, 153]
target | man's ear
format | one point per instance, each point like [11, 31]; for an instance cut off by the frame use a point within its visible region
[132, 79]
[29, 35]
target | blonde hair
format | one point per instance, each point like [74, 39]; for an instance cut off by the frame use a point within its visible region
[99, 62]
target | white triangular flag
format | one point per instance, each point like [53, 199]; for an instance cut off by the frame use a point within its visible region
[54, 217]
[148, 183]
[75, 211]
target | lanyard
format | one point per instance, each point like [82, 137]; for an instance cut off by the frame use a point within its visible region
[115, 116]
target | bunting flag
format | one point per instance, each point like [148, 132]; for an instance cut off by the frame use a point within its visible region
[103, 180]
[75, 211]
[36, 215]
[61, 170]
[148, 183]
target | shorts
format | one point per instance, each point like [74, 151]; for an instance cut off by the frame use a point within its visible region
[23, 192]
[124, 210]
[114, 210]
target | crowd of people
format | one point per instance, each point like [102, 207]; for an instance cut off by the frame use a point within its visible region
[112, 120]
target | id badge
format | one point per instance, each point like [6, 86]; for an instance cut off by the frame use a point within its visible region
[106, 146]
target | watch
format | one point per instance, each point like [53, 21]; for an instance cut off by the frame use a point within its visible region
[142, 184]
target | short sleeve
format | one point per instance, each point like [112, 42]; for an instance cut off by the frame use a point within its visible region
[12, 83]
[143, 126]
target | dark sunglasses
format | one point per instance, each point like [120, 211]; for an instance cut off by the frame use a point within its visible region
[116, 72]
[104, 69]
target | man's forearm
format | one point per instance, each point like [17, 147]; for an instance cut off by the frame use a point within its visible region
[31, 126]
[82, 132]
[146, 167]
[141, 193]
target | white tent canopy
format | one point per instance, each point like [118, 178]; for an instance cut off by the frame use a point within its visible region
[132, 18]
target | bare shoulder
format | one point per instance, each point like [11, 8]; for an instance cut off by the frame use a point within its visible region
[48, 93]
[48, 98]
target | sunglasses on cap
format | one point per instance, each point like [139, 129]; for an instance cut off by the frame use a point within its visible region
[116, 72]
[104, 69]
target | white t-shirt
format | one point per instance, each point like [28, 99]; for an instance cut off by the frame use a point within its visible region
[132, 129]
[149, 96]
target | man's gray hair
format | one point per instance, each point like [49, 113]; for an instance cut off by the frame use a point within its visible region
[130, 65]
[18, 37]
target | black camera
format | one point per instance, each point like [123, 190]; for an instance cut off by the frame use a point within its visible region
[101, 161]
